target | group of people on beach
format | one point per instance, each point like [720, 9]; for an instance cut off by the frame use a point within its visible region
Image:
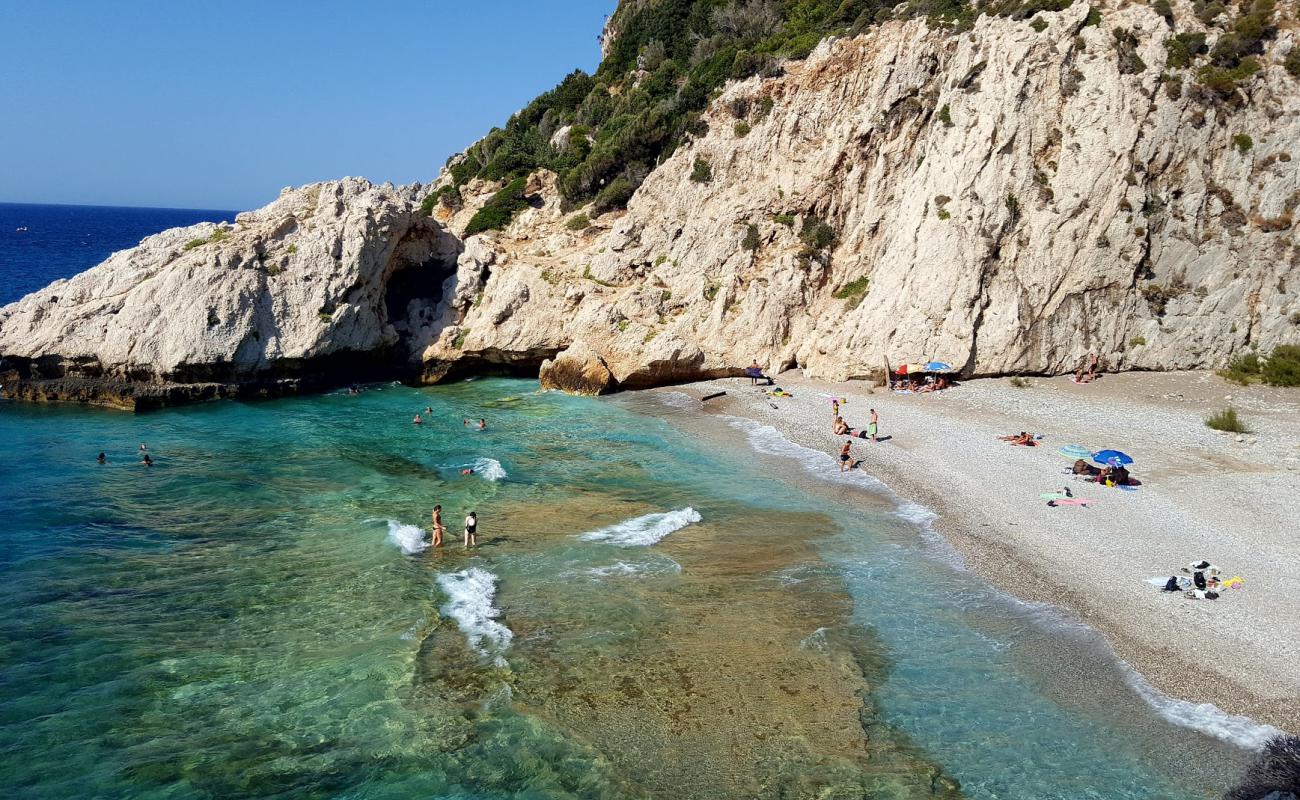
[841, 428]
[1087, 371]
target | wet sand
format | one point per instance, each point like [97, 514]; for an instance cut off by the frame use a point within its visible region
[1204, 495]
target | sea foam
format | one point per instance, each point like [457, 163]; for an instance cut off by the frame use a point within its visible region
[410, 538]
[644, 530]
[470, 593]
[1204, 717]
[489, 469]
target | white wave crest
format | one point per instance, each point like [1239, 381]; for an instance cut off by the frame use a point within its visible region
[489, 469]
[679, 400]
[1204, 717]
[469, 602]
[644, 530]
[625, 568]
[410, 538]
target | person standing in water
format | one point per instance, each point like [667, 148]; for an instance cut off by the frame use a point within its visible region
[471, 528]
[438, 530]
[873, 425]
[846, 459]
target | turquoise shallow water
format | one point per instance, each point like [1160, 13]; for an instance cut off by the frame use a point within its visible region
[254, 616]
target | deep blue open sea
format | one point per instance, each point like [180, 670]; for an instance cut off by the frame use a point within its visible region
[60, 241]
[663, 603]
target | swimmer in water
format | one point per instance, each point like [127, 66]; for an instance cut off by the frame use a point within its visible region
[438, 530]
[467, 471]
[103, 459]
[482, 424]
[417, 420]
[147, 461]
[471, 529]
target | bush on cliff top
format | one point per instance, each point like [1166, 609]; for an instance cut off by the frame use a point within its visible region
[497, 212]
[668, 61]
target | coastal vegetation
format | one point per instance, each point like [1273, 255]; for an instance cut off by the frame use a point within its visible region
[603, 133]
[1226, 420]
[1280, 368]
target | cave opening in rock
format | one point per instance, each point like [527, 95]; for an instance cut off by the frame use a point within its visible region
[423, 264]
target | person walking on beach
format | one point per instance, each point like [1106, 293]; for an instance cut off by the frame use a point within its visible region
[1094, 361]
[846, 459]
[438, 530]
[471, 528]
[873, 426]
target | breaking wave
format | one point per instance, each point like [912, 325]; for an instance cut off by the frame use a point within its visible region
[644, 530]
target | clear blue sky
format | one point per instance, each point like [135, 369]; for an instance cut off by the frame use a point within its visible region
[218, 105]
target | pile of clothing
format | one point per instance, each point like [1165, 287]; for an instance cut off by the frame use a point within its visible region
[1201, 582]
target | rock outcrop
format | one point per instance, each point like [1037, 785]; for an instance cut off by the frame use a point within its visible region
[327, 283]
[1007, 199]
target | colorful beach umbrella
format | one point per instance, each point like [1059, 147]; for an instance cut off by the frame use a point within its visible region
[1076, 451]
[938, 366]
[1112, 458]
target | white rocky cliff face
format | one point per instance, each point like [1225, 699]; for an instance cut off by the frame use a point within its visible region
[321, 284]
[1005, 199]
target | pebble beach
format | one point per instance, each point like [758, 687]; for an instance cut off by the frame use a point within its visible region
[1205, 494]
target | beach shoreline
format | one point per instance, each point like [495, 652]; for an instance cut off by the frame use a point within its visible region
[1205, 494]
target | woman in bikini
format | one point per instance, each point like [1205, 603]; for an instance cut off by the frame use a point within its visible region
[438, 530]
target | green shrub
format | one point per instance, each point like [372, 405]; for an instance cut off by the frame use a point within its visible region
[615, 195]
[622, 325]
[1282, 368]
[852, 292]
[1020, 383]
[701, 171]
[500, 209]
[751, 240]
[1137, 341]
[742, 128]
[461, 336]
[293, 248]
[945, 116]
[193, 243]
[816, 235]
[1013, 207]
[942, 213]
[1243, 143]
[710, 291]
[1183, 48]
[1226, 420]
[1130, 63]
[765, 105]
[1242, 370]
[784, 219]
[1039, 24]
[578, 222]
[1093, 18]
[1292, 61]
[1163, 8]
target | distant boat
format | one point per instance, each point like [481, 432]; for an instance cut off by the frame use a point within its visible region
[23, 229]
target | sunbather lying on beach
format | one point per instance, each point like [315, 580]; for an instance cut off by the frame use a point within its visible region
[1022, 438]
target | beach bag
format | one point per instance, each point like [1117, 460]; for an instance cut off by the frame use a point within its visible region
[1171, 585]
[1198, 579]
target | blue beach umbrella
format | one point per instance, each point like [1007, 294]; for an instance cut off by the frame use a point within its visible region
[1112, 458]
[1076, 451]
[937, 366]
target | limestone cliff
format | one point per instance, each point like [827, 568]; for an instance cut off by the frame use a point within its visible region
[1007, 199]
[325, 284]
